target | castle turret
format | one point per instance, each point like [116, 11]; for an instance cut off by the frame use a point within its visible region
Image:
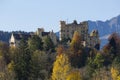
[62, 27]
[62, 23]
[39, 31]
[94, 38]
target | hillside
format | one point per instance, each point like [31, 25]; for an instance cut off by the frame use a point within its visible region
[5, 36]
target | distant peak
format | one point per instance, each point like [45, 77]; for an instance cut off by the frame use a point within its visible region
[118, 15]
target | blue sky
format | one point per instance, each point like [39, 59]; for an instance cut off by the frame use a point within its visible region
[28, 15]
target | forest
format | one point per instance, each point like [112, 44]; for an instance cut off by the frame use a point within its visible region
[38, 60]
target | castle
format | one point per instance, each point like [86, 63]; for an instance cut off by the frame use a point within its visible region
[41, 33]
[66, 32]
[16, 37]
[88, 39]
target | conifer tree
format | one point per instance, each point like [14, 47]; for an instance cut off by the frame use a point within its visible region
[35, 43]
[22, 60]
[48, 44]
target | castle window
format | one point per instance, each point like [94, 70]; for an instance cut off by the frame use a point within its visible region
[62, 30]
[67, 35]
[72, 32]
[12, 43]
[64, 35]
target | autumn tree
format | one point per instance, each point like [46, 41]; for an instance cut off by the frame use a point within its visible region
[60, 49]
[10, 71]
[78, 56]
[115, 73]
[75, 44]
[112, 49]
[5, 74]
[115, 69]
[94, 63]
[61, 68]
[74, 75]
[2, 68]
[114, 44]
[101, 74]
[4, 51]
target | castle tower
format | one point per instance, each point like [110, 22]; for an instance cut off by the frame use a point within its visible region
[53, 37]
[62, 29]
[94, 38]
[39, 31]
[67, 30]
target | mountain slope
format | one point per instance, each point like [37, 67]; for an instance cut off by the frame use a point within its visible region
[5, 36]
[105, 28]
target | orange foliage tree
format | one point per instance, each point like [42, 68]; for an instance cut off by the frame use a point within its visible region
[75, 44]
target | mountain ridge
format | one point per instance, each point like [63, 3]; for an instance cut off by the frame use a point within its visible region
[105, 28]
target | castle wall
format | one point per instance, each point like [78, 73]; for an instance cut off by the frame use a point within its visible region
[67, 31]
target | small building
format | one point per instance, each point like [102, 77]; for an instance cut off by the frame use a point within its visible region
[41, 33]
[16, 37]
[94, 38]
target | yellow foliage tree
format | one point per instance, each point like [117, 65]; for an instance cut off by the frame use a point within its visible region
[118, 78]
[5, 74]
[2, 67]
[10, 71]
[60, 50]
[76, 42]
[115, 73]
[74, 75]
[77, 56]
[61, 67]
